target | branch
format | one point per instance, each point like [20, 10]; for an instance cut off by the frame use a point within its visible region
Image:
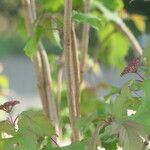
[85, 40]
[94, 139]
[68, 67]
[28, 14]
[126, 31]
[42, 69]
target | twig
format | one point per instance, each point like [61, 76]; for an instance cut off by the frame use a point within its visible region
[140, 75]
[11, 119]
[76, 69]
[126, 31]
[93, 139]
[54, 142]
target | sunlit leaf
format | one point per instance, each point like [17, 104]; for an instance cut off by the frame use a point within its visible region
[88, 18]
[51, 6]
[115, 4]
[4, 83]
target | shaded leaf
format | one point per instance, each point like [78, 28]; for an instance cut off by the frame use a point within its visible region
[35, 122]
[142, 115]
[119, 106]
[130, 136]
[82, 145]
[6, 127]
[84, 123]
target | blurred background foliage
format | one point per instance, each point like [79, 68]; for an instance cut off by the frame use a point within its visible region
[13, 35]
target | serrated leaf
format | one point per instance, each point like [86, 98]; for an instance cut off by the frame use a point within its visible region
[35, 122]
[88, 18]
[6, 127]
[31, 46]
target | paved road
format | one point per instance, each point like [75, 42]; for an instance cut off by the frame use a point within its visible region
[23, 85]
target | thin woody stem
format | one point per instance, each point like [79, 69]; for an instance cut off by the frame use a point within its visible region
[69, 68]
[85, 40]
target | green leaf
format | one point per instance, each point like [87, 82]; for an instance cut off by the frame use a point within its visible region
[6, 127]
[113, 5]
[35, 122]
[31, 46]
[51, 6]
[142, 115]
[136, 86]
[114, 46]
[130, 136]
[110, 145]
[51, 26]
[55, 35]
[119, 106]
[118, 48]
[84, 123]
[82, 145]
[88, 99]
[110, 15]
[21, 142]
[88, 18]
[114, 90]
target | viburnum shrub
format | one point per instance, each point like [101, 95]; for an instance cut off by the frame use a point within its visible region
[122, 120]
